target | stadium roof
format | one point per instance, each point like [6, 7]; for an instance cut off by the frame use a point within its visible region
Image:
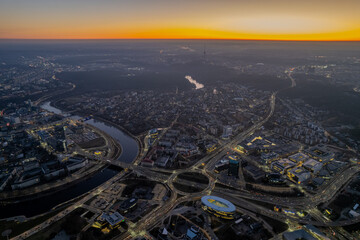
[218, 204]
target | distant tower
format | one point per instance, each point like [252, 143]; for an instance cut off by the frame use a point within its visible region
[65, 146]
[177, 90]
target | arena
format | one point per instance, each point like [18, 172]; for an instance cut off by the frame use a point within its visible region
[218, 207]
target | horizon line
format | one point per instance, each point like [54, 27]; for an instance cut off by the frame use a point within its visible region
[214, 39]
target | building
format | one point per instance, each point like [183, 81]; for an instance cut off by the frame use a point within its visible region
[256, 173]
[210, 147]
[242, 149]
[76, 163]
[162, 161]
[193, 233]
[233, 168]
[255, 144]
[298, 158]
[4, 180]
[128, 205]
[320, 153]
[298, 234]
[227, 132]
[312, 165]
[218, 207]
[114, 219]
[165, 143]
[21, 183]
[275, 178]
[267, 158]
[29, 165]
[52, 169]
[220, 166]
[153, 133]
[152, 136]
[109, 221]
[355, 206]
[146, 162]
[282, 166]
[27, 179]
[353, 214]
[163, 234]
[186, 149]
[315, 232]
[299, 175]
[233, 157]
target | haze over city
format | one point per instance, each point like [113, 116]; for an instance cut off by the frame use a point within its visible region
[174, 120]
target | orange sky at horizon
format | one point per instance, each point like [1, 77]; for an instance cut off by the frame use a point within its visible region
[321, 20]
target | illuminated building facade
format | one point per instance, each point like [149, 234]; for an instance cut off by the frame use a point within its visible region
[218, 207]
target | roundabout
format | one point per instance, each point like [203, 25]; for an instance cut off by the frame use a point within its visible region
[189, 182]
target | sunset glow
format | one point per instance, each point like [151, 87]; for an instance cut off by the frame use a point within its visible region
[159, 19]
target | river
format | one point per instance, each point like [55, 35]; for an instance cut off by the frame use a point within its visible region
[128, 144]
[43, 204]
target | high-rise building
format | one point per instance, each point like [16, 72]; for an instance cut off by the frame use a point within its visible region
[233, 168]
[227, 131]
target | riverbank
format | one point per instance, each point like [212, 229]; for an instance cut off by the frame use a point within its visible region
[99, 118]
[138, 141]
[115, 147]
[57, 185]
[55, 199]
[45, 202]
[47, 189]
[108, 126]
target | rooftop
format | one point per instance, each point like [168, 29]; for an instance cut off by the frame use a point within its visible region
[218, 204]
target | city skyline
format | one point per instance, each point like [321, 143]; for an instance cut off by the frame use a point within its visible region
[264, 20]
[179, 120]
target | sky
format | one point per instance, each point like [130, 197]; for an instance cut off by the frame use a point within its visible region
[324, 20]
